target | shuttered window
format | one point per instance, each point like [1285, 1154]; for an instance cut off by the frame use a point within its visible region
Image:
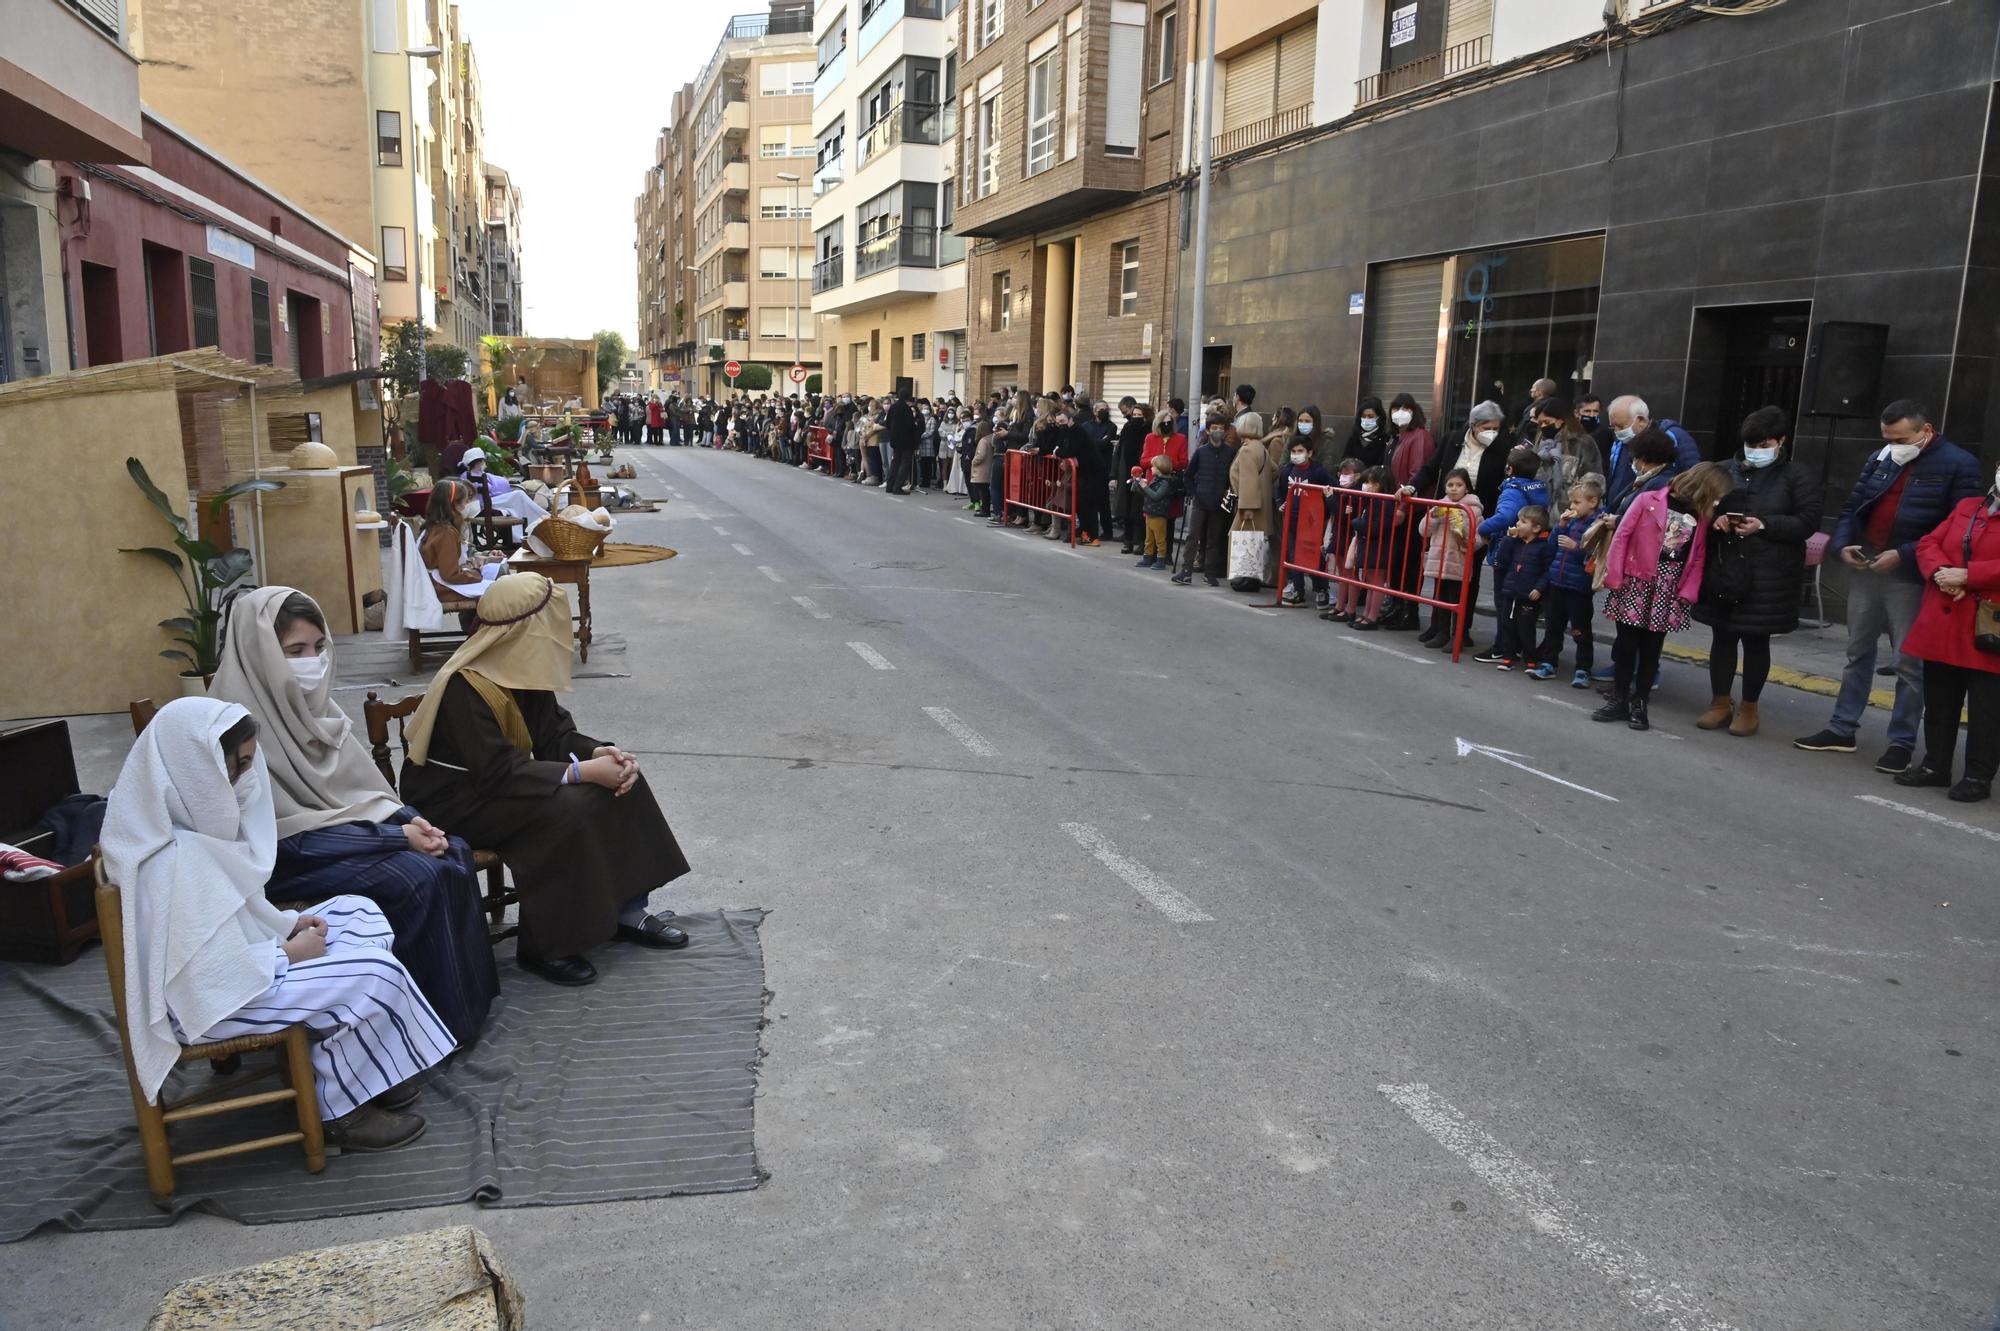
[1124, 378]
[1402, 345]
[1124, 77]
[260, 321]
[1267, 79]
[104, 13]
[201, 291]
[1467, 20]
[1296, 52]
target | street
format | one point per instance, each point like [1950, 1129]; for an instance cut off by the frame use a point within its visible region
[1141, 959]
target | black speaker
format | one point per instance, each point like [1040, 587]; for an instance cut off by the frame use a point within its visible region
[1844, 369]
[905, 386]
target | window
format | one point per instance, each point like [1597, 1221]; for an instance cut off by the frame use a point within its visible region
[917, 347]
[986, 150]
[834, 43]
[1003, 302]
[774, 321]
[1044, 111]
[874, 345]
[1166, 44]
[201, 296]
[1268, 80]
[773, 262]
[388, 138]
[1125, 260]
[395, 257]
[1072, 81]
[774, 141]
[1124, 77]
[992, 21]
[260, 321]
[774, 202]
[829, 147]
[782, 78]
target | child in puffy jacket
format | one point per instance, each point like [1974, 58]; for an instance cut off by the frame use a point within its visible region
[1517, 492]
[1156, 502]
[1450, 537]
[1340, 506]
[1524, 558]
[1569, 586]
[1370, 543]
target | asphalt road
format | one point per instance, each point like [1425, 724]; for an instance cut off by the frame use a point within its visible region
[1144, 961]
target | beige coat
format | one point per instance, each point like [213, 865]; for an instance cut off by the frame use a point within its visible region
[1250, 477]
[982, 459]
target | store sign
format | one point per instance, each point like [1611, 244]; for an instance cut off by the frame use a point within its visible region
[226, 245]
[1402, 25]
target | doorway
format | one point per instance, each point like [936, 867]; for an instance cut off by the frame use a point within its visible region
[308, 352]
[1216, 380]
[103, 343]
[1740, 358]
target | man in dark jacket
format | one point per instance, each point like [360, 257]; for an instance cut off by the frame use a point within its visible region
[1630, 418]
[1131, 443]
[1207, 481]
[1903, 492]
[903, 432]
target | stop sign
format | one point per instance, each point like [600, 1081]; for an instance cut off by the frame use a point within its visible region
[732, 368]
[797, 374]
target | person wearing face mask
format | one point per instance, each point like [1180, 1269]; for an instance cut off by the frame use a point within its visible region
[1903, 491]
[190, 838]
[1567, 450]
[442, 547]
[1205, 483]
[1368, 440]
[1250, 480]
[1299, 470]
[341, 826]
[1756, 566]
[1482, 452]
[1960, 562]
[1413, 466]
[1130, 446]
[1629, 418]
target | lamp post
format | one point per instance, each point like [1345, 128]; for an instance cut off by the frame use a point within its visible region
[696, 296]
[1197, 329]
[798, 322]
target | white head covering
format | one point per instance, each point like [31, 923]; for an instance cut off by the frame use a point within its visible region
[320, 773]
[190, 854]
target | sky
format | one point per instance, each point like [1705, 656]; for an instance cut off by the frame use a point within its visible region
[575, 93]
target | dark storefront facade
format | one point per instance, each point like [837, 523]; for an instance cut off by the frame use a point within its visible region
[1679, 220]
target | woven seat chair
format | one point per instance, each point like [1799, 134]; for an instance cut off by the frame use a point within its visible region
[293, 1068]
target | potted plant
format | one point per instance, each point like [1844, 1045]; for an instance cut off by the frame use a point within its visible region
[204, 573]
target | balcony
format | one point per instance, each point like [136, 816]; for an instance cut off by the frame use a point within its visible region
[733, 293]
[905, 122]
[829, 175]
[888, 14]
[734, 234]
[734, 178]
[1263, 131]
[1436, 68]
[899, 246]
[827, 273]
[830, 78]
[1061, 194]
[761, 25]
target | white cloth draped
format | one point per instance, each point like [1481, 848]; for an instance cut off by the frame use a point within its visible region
[412, 599]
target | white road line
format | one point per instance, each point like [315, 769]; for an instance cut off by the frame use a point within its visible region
[1411, 657]
[871, 656]
[892, 587]
[722, 531]
[811, 607]
[897, 498]
[967, 521]
[743, 550]
[1138, 877]
[1507, 756]
[961, 732]
[1256, 610]
[1659, 1300]
[1930, 817]
[767, 571]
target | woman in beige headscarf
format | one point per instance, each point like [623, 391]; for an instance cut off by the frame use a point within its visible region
[493, 755]
[342, 828]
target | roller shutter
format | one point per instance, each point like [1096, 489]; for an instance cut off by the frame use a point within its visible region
[1249, 83]
[1117, 378]
[1402, 312]
[993, 378]
[1296, 54]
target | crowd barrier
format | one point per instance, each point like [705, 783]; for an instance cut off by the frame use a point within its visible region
[819, 447]
[1375, 544]
[1040, 483]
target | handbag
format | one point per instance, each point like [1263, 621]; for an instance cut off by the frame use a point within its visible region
[1986, 617]
[1229, 502]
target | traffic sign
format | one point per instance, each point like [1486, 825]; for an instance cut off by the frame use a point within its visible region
[732, 368]
[797, 374]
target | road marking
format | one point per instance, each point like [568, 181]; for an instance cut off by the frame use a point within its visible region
[722, 531]
[892, 587]
[1138, 877]
[1930, 817]
[743, 550]
[1507, 756]
[1411, 657]
[1659, 1300]
[811, 607]
[897, 498]
[961, 732]
[967, 521]
[871, 656]
[1272, 614]
[766, 570]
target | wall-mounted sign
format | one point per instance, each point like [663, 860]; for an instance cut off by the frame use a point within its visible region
[227, 245]
[1402, 25]
[1356, 302]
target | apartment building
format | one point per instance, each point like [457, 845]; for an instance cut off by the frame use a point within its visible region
[458, 195]
[724, 217]
[69, 89]
[1070, 134]
[888, 269]
[1714, 211]
[503, 251]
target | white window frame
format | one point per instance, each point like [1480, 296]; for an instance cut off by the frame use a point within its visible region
[992, 21]
[785, 273]
[1166, 37]
[988, 115]
[1045, 96]
[1128, 279]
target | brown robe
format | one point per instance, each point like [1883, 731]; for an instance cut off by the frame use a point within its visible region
[576, 853]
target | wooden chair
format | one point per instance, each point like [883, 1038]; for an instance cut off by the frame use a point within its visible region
[50, 920]
[497, 896]
[143, 711]
[293, 1067]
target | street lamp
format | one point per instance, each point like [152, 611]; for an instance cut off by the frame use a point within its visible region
[798, 322]
[697, 296]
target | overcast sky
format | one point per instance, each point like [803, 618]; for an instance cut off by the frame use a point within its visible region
[575, 93]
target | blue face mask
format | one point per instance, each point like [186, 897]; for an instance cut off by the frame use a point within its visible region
[1759, 457]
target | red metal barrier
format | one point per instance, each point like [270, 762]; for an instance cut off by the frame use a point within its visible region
[819, 444]
[1360, 539]
[1039, 482]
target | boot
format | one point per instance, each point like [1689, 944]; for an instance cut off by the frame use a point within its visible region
[370, 1128]
[1719, 713]
[1746, 720]
[1637, 720]
[1619, 708]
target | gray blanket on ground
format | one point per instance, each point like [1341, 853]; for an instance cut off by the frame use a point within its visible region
[641, 1085]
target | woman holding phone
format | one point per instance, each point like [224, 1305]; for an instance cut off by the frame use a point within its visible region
[1756, 566]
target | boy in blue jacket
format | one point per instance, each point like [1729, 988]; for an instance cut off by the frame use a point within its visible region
[1517, 492]
[1567, 588]
[1521, 578]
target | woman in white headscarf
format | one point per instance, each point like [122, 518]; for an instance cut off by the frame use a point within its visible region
[189, 837]
[341, 825]
[494, 755]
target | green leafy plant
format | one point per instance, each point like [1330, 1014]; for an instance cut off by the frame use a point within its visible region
[445, 362]
[509, 430]
[611, 352]
[399, 478]
[400, 356]
[715, 351]
[203, 570]
[755, 378]
[812, 383]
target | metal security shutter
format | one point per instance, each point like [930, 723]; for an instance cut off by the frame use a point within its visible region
[993, 378]
[260, 321]
[1402, 345]
[201, 291]
[104, 13]
[1466, 20]
[1117, 378]
[1249, 86]
[1296, 55]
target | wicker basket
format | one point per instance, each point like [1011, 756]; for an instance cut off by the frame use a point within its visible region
[570, 540]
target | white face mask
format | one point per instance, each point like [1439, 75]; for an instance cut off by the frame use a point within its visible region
[1401, 418]
[1349, 479]
[1904, 454]
[1305, 427]
[1299, 459]
[1368, 424]
[1486, 437]
[1759, 457]
[309, 671]
[1624, 435]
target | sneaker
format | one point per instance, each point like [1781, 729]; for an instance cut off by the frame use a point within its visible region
[1970, 791]
[1489, 657]
[1543, 671]
[1291, 596]
[1894, 759]
[1147, 562]
[1088, 540]
[1319, 600]
[1922, 774]
[1580, 680]
[1827, 741]
[1183, 578]
[1211, 580]
[1505, 663]
[1617, 709]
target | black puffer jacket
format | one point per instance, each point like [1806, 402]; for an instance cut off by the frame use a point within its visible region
[1752, 583]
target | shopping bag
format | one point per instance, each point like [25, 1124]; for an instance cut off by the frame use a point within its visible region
[1247, 550]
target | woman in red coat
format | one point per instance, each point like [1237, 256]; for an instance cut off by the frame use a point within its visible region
[1960, 563]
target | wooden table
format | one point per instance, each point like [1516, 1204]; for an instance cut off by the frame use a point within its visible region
[575, 573]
